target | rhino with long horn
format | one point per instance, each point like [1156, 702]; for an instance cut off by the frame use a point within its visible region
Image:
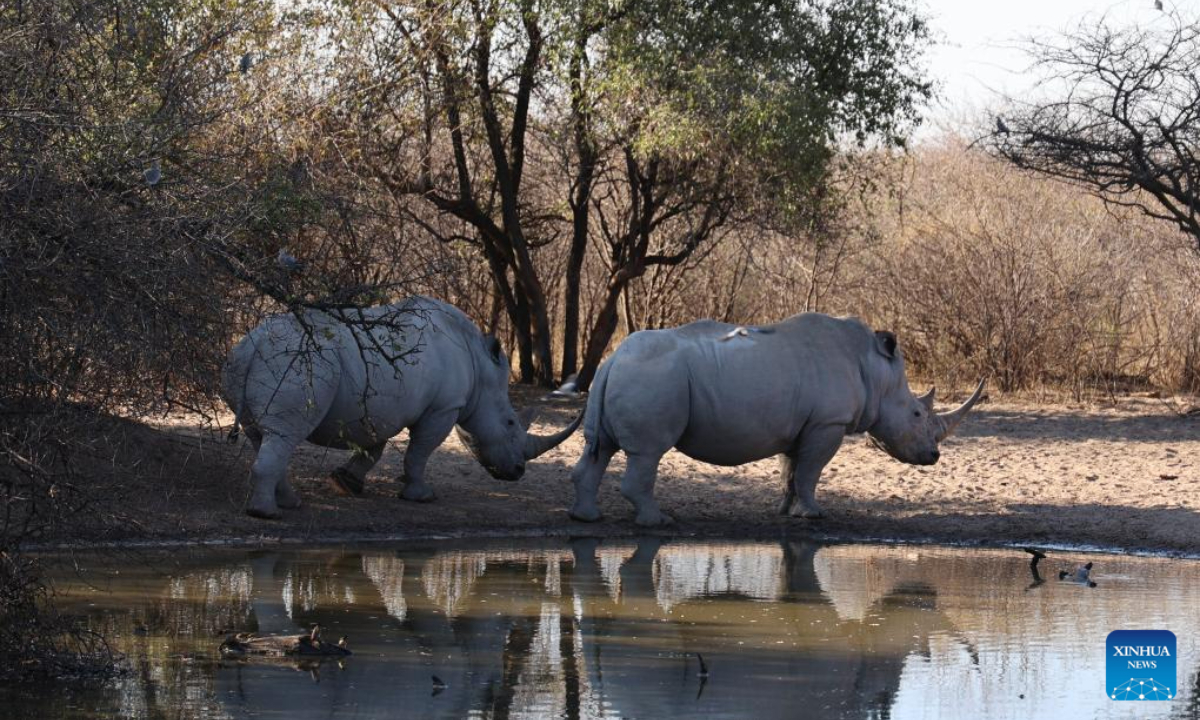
[355, 379]
[731, 395]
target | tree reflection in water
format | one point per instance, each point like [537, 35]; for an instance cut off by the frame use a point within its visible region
[584, 629]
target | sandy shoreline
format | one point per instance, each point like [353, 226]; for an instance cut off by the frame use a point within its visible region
[1121, 477]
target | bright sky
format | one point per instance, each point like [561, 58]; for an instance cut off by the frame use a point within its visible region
[978, 57]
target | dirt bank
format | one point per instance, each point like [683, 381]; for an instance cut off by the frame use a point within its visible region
[1121, 475]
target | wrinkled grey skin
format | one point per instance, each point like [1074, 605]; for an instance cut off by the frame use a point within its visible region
[334, 385]
[728, 396]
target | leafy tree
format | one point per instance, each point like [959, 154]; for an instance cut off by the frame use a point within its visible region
[507, 117]
[155, 155]
[728, 112]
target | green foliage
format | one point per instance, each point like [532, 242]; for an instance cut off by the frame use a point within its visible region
[775, 87]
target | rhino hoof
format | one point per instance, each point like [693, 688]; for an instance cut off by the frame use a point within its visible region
[345, 482]
[586, 516]
[660, 520]
[264, 513]
[424, 494]
[289, 502]
[809, 513]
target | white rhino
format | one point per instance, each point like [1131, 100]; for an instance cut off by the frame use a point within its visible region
[730, 395]
[354, 379]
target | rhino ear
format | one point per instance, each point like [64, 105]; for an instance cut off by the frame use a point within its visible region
[493, 347]
[885, 343]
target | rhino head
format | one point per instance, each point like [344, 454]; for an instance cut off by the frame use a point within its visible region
[907, 428]
[495, 434]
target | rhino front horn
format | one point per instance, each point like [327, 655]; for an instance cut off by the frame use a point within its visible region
[951, 419]
[536, 445]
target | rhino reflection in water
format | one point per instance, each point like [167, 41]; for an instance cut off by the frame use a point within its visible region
[593, 631]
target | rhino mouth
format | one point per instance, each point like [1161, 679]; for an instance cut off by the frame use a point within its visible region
[880, 446]
[925, 458]
[505, 475]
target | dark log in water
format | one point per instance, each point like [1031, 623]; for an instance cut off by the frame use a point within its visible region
[308, 644]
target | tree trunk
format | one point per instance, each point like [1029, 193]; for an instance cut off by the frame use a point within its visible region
[536, 324]
[571, 306]
[575, 258]
[519, 316]
[602, 332]
[586, 152]
[543, 351]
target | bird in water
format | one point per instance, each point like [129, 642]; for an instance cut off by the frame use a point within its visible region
[1033, 566]
[1081, 575]
[438, 685]
[313, 639]
[703, 675]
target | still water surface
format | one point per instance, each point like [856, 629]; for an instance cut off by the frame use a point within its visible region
[612, 629]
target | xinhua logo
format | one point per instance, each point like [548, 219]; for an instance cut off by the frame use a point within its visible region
[1141, 665]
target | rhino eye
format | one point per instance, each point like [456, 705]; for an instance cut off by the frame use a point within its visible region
[916, 413]
[510, 423]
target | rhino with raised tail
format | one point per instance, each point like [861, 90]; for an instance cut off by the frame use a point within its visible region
[353, 379]
[730, 395]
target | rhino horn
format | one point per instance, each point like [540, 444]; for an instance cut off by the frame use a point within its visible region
[951, 419]
[536, 445]
[927, 399]
[526, 416]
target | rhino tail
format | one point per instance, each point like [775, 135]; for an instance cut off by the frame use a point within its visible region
[593, 416]
[238, 423]
[235, 374]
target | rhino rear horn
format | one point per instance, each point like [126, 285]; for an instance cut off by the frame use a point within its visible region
[927, 399]
[526, 417]
[536, 445]
[951, 419]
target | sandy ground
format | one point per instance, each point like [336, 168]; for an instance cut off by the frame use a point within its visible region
[1121, 475]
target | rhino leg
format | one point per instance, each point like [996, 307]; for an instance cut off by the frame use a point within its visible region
[815, 449]
[268, 472]
[350, 478]
[423, 438]
[254, 436]
[787, 471]
[638, 488]
[586, 476]
[286, 496]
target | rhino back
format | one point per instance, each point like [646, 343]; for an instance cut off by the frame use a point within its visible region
[368, 380]
[735, 399]
[279, 377]
[419, 357]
